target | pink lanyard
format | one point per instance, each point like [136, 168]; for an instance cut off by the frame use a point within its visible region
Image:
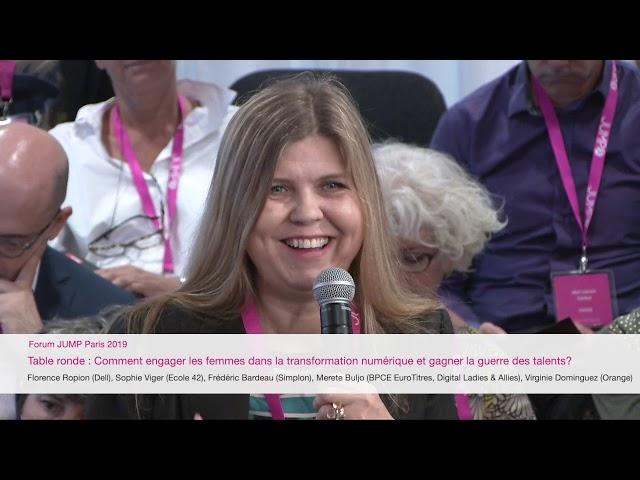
[597, 161]
[140, 183]
[463, 406]
[253, 326]
[7, 70]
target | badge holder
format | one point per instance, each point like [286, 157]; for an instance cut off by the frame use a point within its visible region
[585, 296]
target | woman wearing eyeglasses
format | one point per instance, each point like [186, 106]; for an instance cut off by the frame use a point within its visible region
[440, 216]
[442, 219]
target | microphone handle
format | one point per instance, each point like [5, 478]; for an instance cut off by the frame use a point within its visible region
[335, 317]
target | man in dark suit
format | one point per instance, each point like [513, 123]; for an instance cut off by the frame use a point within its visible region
[38, 283]
[65, 289]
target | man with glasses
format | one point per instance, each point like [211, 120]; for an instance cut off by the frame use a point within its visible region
[36, 282]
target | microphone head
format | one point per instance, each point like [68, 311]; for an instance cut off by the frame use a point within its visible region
[334, 285]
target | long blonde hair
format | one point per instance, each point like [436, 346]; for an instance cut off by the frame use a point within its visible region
[220, 273]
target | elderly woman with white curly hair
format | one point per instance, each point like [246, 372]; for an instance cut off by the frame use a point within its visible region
[440, 215]
[442, 218]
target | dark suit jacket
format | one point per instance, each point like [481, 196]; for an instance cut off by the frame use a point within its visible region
[236, 407]
[67, 290]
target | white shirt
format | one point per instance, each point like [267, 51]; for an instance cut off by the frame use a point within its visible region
[101, 189]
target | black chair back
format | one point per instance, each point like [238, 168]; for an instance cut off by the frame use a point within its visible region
[403, 106]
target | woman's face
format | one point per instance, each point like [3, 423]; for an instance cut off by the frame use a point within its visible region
[422, 266]
[51, 407]
[312, 219]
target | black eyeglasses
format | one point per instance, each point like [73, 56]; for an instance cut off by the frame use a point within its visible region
[139, 231]
[416, 261]
[12, 246]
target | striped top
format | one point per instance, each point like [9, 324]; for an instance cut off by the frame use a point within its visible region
[296, 407]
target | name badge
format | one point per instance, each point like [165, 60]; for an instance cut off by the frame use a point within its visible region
[587, 298]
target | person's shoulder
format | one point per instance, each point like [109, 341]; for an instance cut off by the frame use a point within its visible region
[210, 95]
[88, 122]
[479, 98]
[176, 318]
[90, 287]
[628, 68]
[459, 124]
[62, 131]
[629, 78]
[213, 114]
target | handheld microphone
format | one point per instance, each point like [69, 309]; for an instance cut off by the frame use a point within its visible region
[334, 290]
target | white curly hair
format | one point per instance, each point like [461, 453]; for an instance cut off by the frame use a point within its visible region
[433, 201]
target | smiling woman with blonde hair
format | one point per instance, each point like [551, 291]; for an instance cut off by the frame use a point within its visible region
[295, 191]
